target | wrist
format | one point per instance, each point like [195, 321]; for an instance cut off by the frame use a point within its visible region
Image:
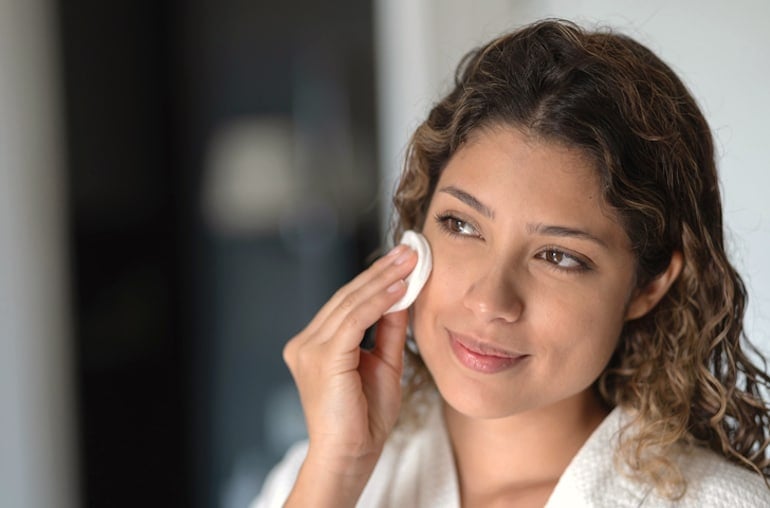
[335, 483]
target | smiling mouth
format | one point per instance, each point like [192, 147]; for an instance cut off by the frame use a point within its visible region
[481, 357]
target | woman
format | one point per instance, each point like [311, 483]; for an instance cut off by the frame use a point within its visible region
[578, 342]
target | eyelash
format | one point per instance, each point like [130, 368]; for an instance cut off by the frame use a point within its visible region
[448, 222]
[582, 266]
[444, 221]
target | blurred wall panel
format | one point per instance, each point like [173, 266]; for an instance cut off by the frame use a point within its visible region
[222, 180]
[279, 131]
[38, 464]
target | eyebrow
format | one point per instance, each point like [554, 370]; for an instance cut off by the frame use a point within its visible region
[539, 228]
[469, 200]
[551, 230]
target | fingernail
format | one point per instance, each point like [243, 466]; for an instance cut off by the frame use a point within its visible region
[403, 257]
[395, 250]
[395, 286]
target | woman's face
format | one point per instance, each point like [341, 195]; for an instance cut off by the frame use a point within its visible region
[531, 276]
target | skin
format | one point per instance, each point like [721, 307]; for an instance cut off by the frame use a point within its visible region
[526, 260]
[559, 301]
[351, 398]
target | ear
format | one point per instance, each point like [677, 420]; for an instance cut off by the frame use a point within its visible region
[645, 298]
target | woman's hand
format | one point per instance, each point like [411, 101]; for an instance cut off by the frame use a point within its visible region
[351, 398]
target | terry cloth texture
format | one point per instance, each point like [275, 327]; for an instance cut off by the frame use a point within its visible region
[417, 470]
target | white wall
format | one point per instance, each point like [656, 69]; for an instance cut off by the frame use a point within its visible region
[37, 449]
[718, 48]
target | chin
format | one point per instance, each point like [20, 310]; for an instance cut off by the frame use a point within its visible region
[479, 402]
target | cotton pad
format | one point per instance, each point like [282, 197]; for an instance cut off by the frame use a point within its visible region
[415, 280]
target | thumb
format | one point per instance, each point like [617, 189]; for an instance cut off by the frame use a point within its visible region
[390, 337]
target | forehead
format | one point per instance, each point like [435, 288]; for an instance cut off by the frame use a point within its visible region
[518, 175]
[509, 153]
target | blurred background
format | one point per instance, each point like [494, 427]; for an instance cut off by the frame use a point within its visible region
[182, 185]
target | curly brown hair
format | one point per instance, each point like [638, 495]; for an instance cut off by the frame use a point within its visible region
[683, 369]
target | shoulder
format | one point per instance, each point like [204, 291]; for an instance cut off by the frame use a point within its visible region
[713, 481]
[415, 469]
[280, 481]
[593, 478]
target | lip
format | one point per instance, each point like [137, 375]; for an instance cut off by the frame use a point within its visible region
[480, 356]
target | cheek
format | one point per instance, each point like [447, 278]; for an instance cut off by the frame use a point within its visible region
[592, 329]
[423, 314]
[452, 265]
[442, 291]
[436, 291]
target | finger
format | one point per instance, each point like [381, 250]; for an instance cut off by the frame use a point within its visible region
[345, 329]
[360, 309]
[347, 325]
[359, 281]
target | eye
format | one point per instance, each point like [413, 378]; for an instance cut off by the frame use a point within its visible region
[455, 226]
[563, 261]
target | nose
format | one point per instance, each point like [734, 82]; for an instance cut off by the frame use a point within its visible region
[494, 296]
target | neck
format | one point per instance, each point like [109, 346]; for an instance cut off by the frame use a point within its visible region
[528, 449]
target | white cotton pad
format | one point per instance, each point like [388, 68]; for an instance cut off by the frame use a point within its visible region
[415, 280]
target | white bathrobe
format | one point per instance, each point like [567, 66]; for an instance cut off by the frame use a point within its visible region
[418, 471]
